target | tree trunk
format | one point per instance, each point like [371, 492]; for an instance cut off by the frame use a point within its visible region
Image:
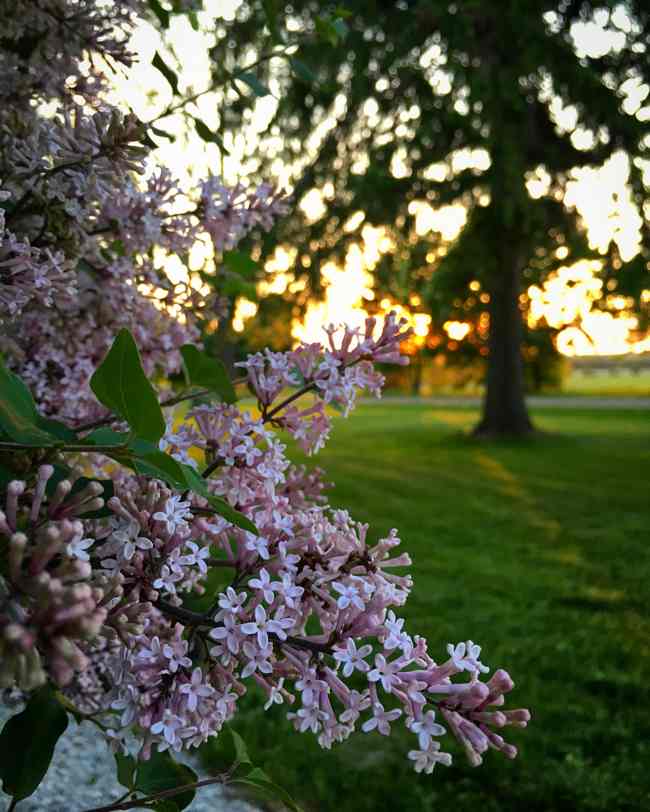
[504, 406]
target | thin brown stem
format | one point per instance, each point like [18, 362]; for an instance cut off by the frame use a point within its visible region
[196, 619]
[159, 796]
[111, 418]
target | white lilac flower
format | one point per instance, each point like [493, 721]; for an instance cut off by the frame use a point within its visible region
[465, 656]
[289, 591]
[384, 672]
[311, 718]
[259, 545]
[196, 689]
[353, 658]
[310, 686]
[167, 580]
[174, 514]
[77, 548]
[169, 726]
[427, 727]
[230, 602]
[426, 759]
[176, 654]
[275, 695]
[349, 596]
[355, 703]
[266, 586]
[381, 719]
[258, 660]
[263, 626]
[229, 633]
[196, 556]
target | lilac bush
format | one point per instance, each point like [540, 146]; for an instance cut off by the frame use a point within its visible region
[114, 514]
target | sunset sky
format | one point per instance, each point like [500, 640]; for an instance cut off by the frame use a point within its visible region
[601, 196]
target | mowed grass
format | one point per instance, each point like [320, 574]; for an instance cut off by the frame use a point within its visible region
[539, 551]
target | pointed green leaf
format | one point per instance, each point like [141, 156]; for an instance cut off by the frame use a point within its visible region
[161, 772]
[258, 779]
[19, 418]
[209, 135]
[162, 133]
[148, 460]
[106, 437]
[120, 383]
[271, 13]
[202, 370]
[254, 83]
[159, 63]
[302, 71]
[27, 743]
[241, 751]
[126, 766]
[161, 13]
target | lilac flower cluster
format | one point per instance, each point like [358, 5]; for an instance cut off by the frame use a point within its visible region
[229, 213]
[311, 613]
[93, 590]
[336, 372]
[29, 274]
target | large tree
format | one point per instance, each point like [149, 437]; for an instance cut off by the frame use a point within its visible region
[381, 120]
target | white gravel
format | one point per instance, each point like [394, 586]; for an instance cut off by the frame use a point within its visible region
[82, 776]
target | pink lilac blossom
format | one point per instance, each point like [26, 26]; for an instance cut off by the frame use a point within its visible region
[308, 563]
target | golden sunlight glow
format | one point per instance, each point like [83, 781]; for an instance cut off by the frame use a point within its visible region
[565, 301]
[567, 297]
[456, 330]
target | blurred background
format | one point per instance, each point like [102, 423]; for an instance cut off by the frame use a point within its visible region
[483, 169]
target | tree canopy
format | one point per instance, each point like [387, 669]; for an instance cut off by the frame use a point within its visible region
[439, 103]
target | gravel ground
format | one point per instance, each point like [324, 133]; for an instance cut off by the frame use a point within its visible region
[82, 776]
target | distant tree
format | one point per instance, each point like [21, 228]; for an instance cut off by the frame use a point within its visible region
[412, 84]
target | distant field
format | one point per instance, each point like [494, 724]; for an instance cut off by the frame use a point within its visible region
[603, 384]
[539, 551]
[621, 384]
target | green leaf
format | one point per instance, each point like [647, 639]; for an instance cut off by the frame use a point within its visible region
[106, 437]
[57, 429]
[271, 13]
[148, 460]
[165, 806]
[302, 71]
[27, 743]
[120, 383]
[161, 772]
[162, 133]
[254, 83]
[126, 770]
[202, 370]
[241, 263]
[6, 476]
[19, 418]
[241, 751]
[159, 63]
[331, 30]
[209, 135]
[258, 779]
[160, 12]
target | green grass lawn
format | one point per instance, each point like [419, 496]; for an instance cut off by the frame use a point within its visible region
[539, 551]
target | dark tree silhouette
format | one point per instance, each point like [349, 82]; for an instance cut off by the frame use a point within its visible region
[446, 77]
